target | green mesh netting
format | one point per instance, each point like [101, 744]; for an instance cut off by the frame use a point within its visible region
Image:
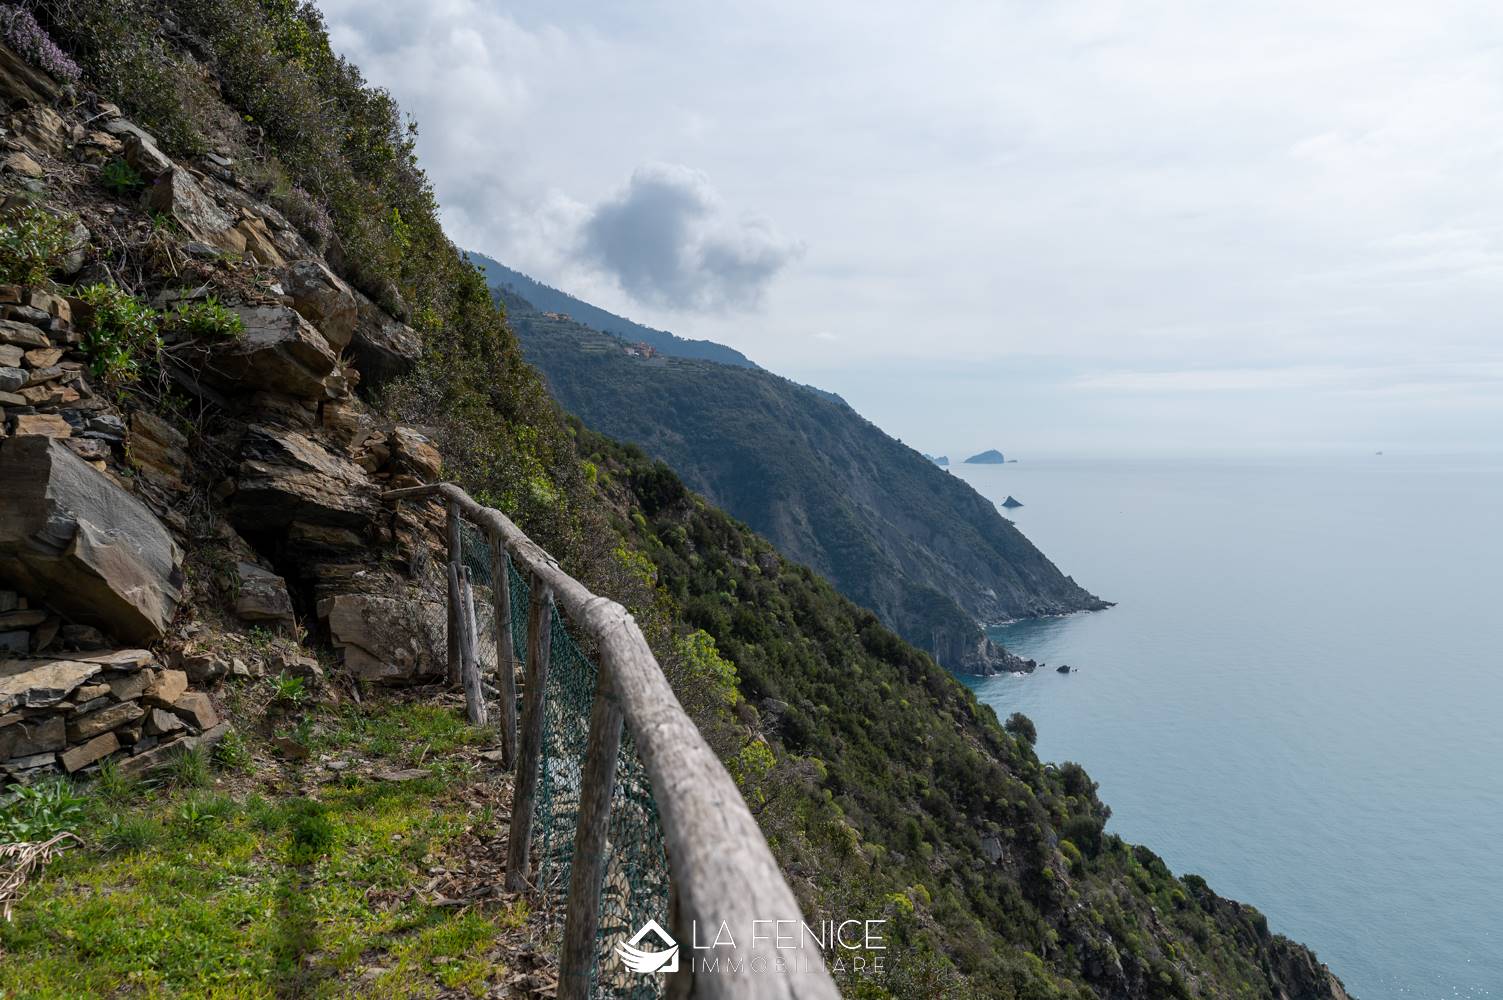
[636, 877]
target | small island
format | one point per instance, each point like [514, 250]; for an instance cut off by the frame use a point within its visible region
[1012, 502]
[938, 459]
[989, 457]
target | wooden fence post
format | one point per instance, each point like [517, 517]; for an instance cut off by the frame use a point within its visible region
[469, 652]
[506, 654]
[530, 750]
[587, 870]
[455, 621]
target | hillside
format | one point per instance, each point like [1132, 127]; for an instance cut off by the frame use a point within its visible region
[881, 782]
[893, 532]
[230, 322]
[548, 299]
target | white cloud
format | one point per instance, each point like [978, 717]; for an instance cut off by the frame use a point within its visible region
[669, 241]
[1156, 186]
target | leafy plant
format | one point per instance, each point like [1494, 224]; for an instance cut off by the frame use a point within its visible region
[232, 754]
[32, 244]
[119, 177]
[40, 811]
[201, 813]
[205, 319]
[288, 689]
[122, 337]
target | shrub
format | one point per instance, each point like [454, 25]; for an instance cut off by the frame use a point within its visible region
[1022, 727]
[22, 33]
[40, 811]
[205, 319]
[119, 177]
[122, 337]
[32, 244]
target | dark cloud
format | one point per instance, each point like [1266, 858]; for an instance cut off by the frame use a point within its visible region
[668, 241]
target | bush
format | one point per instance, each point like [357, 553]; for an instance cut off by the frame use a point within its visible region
[32, 244]
[22, 33]
[1022, 727]
[205, 319]
[121, 338]
[119, 177]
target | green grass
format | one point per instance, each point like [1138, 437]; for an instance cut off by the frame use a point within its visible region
[197, 891]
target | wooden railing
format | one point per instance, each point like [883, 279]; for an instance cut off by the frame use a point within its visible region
[723, 878]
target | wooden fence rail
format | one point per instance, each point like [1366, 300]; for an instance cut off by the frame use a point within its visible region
[723, 878]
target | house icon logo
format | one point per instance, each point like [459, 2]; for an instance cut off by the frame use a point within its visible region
[664, 959]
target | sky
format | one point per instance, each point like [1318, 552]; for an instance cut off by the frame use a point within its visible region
[1052, 228]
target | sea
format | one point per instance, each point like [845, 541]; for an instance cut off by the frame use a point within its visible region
[1299, 695]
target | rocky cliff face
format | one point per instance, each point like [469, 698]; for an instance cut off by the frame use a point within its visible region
[250, 449]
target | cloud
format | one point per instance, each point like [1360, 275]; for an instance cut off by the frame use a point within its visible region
[669, 241]
[1105, 187]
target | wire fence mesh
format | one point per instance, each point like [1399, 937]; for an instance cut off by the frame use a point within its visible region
[636, 873]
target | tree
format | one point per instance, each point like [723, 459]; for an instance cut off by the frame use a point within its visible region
[1022, 727]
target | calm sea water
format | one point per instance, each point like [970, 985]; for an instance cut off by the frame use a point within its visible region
[1299, 695]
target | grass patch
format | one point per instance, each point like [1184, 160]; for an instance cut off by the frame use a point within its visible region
[192, 891]
[412, 733]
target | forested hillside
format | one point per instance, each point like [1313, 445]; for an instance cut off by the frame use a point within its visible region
[891, 530]
[882, 783]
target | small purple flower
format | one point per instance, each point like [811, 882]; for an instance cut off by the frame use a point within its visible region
[22, 33]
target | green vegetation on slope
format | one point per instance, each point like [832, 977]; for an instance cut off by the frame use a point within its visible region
[828, 488]
[258, 876]
[886, 789]
[257, 80]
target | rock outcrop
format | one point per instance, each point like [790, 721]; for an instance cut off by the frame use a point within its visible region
[287, 476]
[382, 637]
[384, 348]
[265, 449]
[72, 538]
[280, 352]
